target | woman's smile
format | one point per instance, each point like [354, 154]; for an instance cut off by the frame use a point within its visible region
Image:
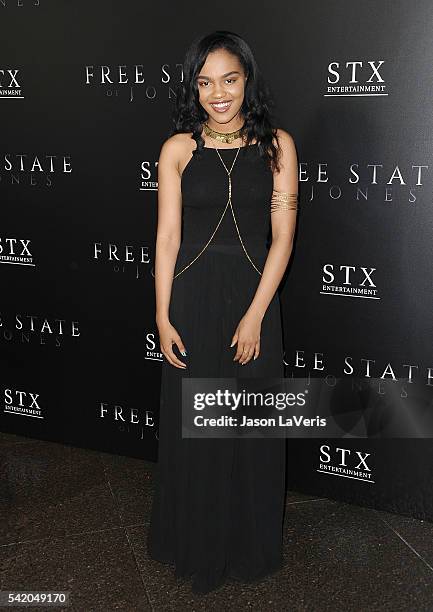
[221, 107]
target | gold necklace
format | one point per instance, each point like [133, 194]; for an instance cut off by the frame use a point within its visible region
[226, 137]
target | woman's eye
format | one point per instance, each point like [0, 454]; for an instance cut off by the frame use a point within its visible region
[202, 83]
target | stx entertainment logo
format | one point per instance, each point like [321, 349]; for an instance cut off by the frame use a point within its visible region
[355, 78]
[15, 251]
[151, 348]
[22, 402]
[349, 281]
[148, 176]
[344, 462]
[9, 85]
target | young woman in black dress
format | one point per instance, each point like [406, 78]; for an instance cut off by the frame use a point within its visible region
[227, 206]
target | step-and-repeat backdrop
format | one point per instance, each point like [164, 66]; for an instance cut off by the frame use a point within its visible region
[86, 93]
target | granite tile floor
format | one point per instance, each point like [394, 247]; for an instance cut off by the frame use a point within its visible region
[74, 519]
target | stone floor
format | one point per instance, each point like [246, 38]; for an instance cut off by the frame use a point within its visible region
[75, 520]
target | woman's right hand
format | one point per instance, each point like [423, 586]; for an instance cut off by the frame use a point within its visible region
[167, 336]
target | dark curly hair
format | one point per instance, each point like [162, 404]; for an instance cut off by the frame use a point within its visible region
[189, 115]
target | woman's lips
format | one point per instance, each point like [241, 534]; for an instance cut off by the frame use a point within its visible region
[221, 107]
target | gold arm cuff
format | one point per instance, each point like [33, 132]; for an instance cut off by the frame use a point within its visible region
[282, 200]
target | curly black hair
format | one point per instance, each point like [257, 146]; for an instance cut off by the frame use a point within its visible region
[189, 115]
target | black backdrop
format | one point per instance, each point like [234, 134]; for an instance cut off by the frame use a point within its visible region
[85, 99]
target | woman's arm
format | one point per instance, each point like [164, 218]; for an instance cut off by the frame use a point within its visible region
[283, 228]
[168, 228]
[283, 224]
[168, 239]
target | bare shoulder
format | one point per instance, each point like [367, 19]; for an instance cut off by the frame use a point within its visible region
[285, 140]
[287, 149]
[176, 149]
[173, 146]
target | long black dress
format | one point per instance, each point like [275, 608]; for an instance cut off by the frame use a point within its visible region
[218, 503]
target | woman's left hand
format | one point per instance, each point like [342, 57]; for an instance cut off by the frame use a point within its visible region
[247, 335]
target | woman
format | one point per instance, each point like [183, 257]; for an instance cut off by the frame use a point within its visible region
[231, 178]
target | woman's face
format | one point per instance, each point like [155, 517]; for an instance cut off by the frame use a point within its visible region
[221, 80]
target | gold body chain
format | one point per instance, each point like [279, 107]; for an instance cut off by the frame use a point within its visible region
[229, 203]
[280, 201]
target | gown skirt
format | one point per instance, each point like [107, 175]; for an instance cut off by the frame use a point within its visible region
[218, 503]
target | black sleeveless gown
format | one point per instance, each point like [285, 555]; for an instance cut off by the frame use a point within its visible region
[218, 503]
